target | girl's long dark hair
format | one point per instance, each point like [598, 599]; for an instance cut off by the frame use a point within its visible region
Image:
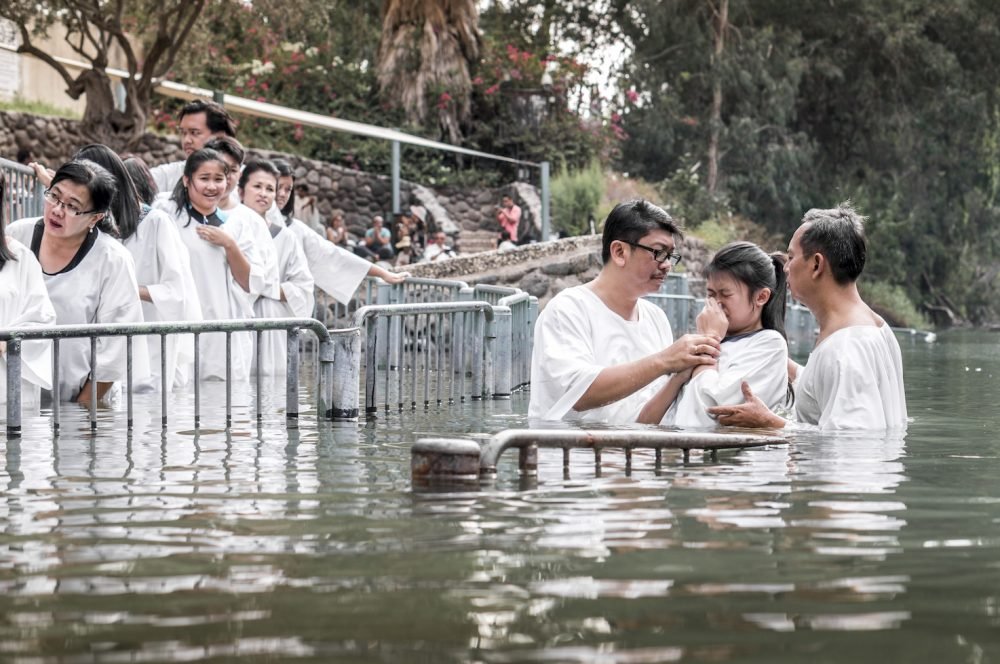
[195, 161]
[145, 186]
[125, 206]
[285, 171]
[99, 183]
[5, 252]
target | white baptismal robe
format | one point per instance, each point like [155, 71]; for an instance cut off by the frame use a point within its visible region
[576, 337]
[163, 266]
[853, 380]
[297, 286]
[221, 297]
[336, 271]
[166, 176]
[98, 286]
[760, 358]
[24, 303]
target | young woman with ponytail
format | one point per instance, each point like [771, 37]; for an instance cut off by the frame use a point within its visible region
[745, 310]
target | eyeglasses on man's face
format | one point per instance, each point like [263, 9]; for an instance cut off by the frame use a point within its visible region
[72, 210]
[659, 255]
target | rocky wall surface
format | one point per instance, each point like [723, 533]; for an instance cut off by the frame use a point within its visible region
[358, 194]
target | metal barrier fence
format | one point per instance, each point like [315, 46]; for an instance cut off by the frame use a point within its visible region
[432, 352]
[455, 459]
[337, 377]
[24, 193]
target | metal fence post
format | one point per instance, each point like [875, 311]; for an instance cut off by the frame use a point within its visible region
[545, 201]
[13, 388]
[344, 369]
[501, 352]
[395, 177]
[291, 374]
[383, 295]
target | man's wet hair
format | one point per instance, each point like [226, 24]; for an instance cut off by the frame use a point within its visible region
[838, 234]
[217, 118]
[631, 221]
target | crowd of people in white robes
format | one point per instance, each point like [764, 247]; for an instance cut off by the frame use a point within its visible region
[206, 238]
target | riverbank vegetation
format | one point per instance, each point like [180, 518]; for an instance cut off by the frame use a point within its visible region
[730, 109]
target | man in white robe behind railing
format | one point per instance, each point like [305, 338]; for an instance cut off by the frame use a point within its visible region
[854, 376]
[600, 351]
[199, 122]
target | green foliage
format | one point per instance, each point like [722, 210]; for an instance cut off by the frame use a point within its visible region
[893, 304]
[575, 198]
[37, 108]
[890, 103]
[298, 54]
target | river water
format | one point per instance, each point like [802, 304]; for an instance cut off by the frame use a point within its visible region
[270, 544]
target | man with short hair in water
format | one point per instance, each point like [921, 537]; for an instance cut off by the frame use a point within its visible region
[601, 352]
[854, 376]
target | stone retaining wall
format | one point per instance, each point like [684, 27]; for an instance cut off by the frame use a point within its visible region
[360, 195]
[545, 268]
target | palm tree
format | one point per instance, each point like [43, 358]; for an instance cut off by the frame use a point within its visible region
[426, 49]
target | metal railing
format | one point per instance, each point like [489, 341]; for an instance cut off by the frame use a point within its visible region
[337, 375]
[24, 192]
[431, 352]
[456, 459]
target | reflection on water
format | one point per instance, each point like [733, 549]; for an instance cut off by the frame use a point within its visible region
[309, 543]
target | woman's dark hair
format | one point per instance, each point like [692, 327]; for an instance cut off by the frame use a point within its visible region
[5, 252]
[125, 206]
[747, 263]
[145, 186]
[196, 160]
[229, 146]
[285, 171]
[255, 165]
[100, 185]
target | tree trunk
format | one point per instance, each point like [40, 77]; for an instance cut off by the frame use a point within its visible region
[102, 121]
[719, 25]
[425, 54]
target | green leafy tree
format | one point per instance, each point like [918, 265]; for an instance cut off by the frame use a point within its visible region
[149, 35]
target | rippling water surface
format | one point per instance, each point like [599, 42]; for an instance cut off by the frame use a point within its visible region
[309, 544]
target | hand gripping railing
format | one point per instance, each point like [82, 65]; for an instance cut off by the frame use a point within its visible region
[337, 380]
[451, 459]
[440, 342]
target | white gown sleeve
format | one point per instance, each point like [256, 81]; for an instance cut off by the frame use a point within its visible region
[119, 303]
[170, 294]
[762, 363]
[846, 392]
[33, 309]
[336, 271]
[297, 282]
[564, 366]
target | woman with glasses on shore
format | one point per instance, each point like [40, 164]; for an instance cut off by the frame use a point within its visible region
[162, 266]
[89, 276]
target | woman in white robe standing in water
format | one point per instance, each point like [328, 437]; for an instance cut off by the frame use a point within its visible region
[24, 302]
[89, 276]
[226, 258]
[336, 271]
[257, 187]
[745, 311]
[162, 266]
